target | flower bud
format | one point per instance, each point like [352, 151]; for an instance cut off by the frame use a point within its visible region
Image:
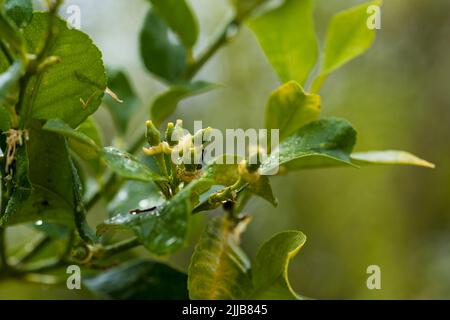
[153, 136]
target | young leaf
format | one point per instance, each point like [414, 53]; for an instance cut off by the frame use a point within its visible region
[21, 11]
[323, 143]
[219, 269]
[166, 104]
[121, 112]
[72, 89]
[128, 166]
[389, 157]
[162, 55]
[162, 230]
[179, 18]
[287, 36]
[348, 37]
[270, 270]
[289, 108]
[138, 280]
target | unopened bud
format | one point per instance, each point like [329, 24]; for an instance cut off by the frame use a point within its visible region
[169, 133]
[152, 134]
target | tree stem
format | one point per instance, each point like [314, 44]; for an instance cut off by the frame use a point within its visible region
[120, 247]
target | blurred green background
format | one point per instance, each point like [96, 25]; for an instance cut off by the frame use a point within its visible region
[397, 97]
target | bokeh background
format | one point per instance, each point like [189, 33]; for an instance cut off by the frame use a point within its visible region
[397, 97]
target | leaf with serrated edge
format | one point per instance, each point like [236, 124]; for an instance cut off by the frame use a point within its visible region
[72, 89]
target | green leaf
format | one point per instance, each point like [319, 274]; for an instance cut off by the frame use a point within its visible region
[21, 190]
[389, 157]
[287, 36]
[72, 89]
[9, 79]
[347, 38]
[135, 195]
[84, 141]
[323, 143]
[162, 55]
[128, 166]
[219, 269]
[90, 129]
[179, 18]
[270, 270]
[10, 33]
[162, 230]
[5, 123]
[50, 174]
[121, 112]
[21, 11]
[87, 147]
[166, 104]
[263, 189]
[290, 108]
[138, 280]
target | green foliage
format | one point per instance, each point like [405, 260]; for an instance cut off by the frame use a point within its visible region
[162, 229]
[137, 280]
[348, 37]
[162, 57]
[290, 108]
[270, 271]
[128, 166]
[323, 143]
[219, 269]
[52, 80]
[291, 46]
[21, 11]
[50, 196]
[390, 157]
[72, 89]
[179, 18]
